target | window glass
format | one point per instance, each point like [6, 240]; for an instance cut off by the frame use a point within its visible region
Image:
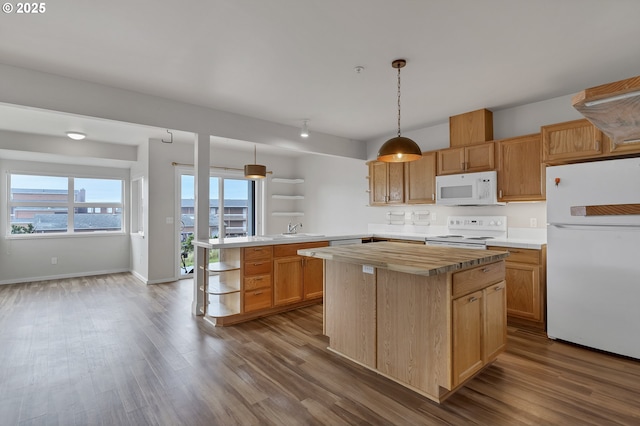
[41, 204]
[49, 189]
[87, 190]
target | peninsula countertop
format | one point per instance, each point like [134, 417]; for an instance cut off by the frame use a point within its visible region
[409, 258]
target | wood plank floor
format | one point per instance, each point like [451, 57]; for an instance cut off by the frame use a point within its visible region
[109, 350]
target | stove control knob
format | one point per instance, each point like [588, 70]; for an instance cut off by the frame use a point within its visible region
[492, 223]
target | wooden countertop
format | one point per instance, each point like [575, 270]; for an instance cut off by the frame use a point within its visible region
[409, 258]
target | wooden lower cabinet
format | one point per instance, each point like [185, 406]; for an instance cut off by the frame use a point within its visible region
[296, 278]
[467, 336]
[479, 320]
[525, 278]
[287, 278]
[429, 333]
[312, 278]
[256, 278]
[272, 279]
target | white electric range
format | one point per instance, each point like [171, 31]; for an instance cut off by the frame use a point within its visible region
[473, 232]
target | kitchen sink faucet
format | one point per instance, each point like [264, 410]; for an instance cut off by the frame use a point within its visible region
[292, 229]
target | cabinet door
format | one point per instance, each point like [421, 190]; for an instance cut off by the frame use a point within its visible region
[386, 183]
[521, 173]
[377, 183]
[467, 336]
[495, 321]
[396, 183]
[523, 291]
[571, 140]
[420, 179]
[451, 161]
[287, 280]
[313, 277]
[622, 147]
[479, 158]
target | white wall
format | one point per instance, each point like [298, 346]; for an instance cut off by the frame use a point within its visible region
[29, 259]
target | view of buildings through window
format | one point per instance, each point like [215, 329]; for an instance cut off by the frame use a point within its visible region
[41, 204]
[231, 216]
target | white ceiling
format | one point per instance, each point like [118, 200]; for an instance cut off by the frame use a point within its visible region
[287, 60]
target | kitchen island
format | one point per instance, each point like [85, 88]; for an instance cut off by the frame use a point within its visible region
[429, 318]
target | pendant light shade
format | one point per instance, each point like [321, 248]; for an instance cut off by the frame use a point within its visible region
[399, 149]
[255, 171]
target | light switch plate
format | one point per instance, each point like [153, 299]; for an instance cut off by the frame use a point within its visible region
[368, 269]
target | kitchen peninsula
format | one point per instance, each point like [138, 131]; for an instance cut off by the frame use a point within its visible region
[427, 317]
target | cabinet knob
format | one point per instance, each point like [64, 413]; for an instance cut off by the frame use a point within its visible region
[485, 269]
[472, 299]
[500, 193]
[498, 288]
[257, 293]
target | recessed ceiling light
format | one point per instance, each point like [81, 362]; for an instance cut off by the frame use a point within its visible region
[77, 136]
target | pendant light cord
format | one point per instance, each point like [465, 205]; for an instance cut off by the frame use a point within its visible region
[398, 101]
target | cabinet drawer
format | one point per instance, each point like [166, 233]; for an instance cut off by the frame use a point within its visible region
[477, 278]
[261, 252]
[257, 267]
[519, 255]
[257, 299]
[258, 281]
[286, 250]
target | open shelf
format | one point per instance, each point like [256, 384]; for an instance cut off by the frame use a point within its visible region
[222, 285]
[224, 266]
[222, 305]
[284, 180]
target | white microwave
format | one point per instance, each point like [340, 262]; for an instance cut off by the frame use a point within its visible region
[467, 189]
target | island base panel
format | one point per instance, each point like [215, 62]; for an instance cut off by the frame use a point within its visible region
[350, 311]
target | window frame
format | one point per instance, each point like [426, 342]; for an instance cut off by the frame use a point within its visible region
[70, 204]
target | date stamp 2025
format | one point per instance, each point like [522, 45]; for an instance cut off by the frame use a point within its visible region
[24, 8]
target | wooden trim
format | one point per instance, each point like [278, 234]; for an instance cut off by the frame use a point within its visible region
[606, 210]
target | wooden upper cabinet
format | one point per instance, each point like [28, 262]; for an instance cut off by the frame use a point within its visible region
[521, 173]
[624, 147]
[572, 140]
[470, 128]
[386, 183]
[466, 159]
[420, 179]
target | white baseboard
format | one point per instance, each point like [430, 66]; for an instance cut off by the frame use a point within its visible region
[63, 276]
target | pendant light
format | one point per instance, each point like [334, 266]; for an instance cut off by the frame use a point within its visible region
[399, 149]
[255, 171]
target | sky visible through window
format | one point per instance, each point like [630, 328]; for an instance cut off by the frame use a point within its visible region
[96, 190]
[234, 189]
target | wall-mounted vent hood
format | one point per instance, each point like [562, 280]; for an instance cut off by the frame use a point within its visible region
[613, 108]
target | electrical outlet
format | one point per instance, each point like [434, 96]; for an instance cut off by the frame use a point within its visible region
[54, 260]
[368, 269]
[533, 222]
[434, 216]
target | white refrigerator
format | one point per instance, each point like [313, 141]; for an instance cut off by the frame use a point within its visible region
[593, 255]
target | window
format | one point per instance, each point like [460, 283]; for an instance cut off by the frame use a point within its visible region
[41, 204]
[234, 215]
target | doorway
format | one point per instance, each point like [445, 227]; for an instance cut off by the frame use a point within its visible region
[233, 202]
